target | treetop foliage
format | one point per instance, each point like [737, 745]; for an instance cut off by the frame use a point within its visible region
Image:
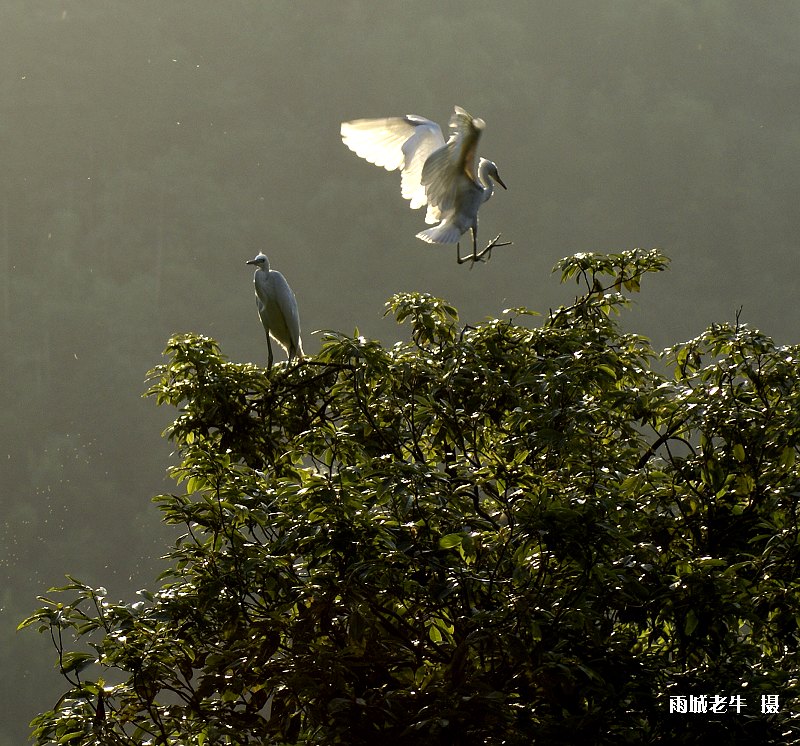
[488, 534]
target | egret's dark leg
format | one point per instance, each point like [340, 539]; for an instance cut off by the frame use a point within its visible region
[269, 352]
[487, 249]
[464, 259]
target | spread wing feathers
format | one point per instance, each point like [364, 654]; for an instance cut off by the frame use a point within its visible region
[380, 141]
[450, 171]
[427, 139]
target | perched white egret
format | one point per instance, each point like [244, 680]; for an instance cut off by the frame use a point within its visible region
[277, 309]
[439, 174]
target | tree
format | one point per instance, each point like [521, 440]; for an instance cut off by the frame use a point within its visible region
[494, 534]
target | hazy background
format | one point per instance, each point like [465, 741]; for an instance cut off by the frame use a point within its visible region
[147, 149]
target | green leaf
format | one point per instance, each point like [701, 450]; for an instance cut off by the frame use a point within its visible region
[72, 736]
[450, 540]
[76, 661]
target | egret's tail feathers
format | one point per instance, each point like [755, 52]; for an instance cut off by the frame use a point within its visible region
[445, 232]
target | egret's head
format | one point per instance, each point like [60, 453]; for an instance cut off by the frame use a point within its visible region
[260, 261]
[490, 169]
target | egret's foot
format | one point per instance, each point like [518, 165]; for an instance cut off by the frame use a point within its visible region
[485, 252]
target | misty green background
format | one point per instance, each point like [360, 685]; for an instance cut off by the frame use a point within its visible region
[147, 149]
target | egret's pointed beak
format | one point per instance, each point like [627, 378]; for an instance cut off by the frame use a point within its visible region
[500, 181]
[251, 261]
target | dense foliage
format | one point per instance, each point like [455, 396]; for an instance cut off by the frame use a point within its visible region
[497, 534]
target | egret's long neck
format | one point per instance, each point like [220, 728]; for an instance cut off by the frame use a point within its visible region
[485, 180]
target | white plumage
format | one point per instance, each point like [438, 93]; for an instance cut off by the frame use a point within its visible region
[277, 309]
[442, 175]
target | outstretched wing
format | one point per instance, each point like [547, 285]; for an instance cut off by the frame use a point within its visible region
[450, 171]
[396, 142]
[426, 140]
[380, 141]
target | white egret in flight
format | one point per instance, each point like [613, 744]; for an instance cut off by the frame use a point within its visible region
[442, 175]
[277, 309]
